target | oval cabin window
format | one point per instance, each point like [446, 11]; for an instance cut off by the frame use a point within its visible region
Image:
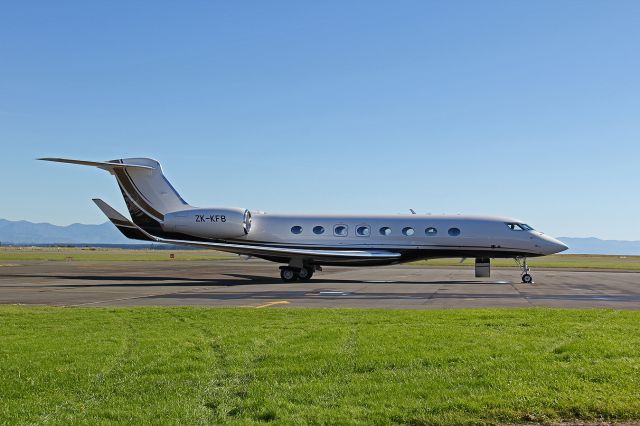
[318, 230]
[363, 231]
[296, 229]
[408, 231]
[454, 232]
[385, 230]
[431, 231]
[340, 230]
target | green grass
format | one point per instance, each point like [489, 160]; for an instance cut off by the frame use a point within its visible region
[106, 254]
[578, 261]
[246, 366]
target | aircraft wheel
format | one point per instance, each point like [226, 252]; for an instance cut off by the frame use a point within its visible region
[288, 275]
[305, 274]
[527, 279]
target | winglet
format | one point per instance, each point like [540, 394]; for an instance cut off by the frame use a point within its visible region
[123, 224]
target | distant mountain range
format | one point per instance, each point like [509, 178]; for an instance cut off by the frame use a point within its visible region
[592, 245]
[23, 232]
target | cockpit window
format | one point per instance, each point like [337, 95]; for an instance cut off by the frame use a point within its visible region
[519, 227]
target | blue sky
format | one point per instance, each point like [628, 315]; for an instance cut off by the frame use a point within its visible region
[525, 109]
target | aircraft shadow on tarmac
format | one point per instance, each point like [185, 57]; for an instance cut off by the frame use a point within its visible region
[148, 281]
[256, 279]
[239, 280]
[123, 281]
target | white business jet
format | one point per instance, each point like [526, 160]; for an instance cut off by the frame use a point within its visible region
[304, 243]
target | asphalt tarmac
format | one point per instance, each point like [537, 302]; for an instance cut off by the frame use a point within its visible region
[256, 284]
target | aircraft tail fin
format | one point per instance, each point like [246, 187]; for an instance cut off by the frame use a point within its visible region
[147, 192]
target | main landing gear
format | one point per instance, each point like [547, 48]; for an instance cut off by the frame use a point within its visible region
[290, 273]
[526, 276]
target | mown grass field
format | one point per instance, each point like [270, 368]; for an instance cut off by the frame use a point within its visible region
[106, 254]
[249, 366]
[121, 255]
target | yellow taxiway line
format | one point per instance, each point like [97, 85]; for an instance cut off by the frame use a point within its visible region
[266, 305]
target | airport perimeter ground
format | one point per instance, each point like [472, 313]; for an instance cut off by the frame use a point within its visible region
[121, 341]
[77, 277]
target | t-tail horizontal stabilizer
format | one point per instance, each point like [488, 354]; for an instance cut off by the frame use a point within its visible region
[123, 224]
[106, 165]
[146, 191]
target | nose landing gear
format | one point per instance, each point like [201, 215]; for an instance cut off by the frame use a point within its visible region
[526, 276]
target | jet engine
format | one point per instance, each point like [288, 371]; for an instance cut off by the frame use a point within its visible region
[214, 223]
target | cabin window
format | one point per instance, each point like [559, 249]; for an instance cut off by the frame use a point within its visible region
[408, 231]
[340, 230]
[454, 232]
[318, 230]
[519, 227]
[296, 229]
[385, 230]
[431, 231]
[363, 231]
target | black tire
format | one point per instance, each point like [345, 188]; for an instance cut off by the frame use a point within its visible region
[288, 275]
[305, 274]
[527, 279]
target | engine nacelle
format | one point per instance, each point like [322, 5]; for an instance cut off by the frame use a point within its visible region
[214, 223]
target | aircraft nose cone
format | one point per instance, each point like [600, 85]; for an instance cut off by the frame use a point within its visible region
[559, 246]
[553, 246]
